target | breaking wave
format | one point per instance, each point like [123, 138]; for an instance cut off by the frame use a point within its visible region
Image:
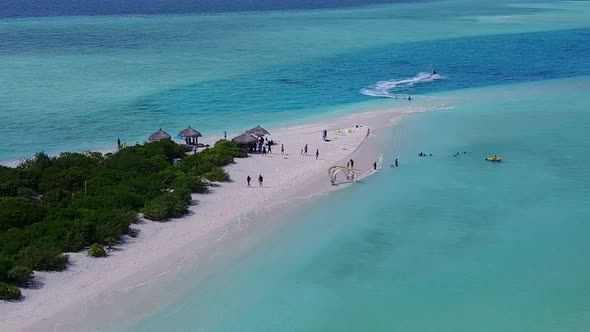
[384, 88]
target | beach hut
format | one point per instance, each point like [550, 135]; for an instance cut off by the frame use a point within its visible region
[190, 135]
[258, 131]
[245, 140]
[158, 136]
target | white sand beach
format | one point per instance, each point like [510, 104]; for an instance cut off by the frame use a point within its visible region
[161, 247]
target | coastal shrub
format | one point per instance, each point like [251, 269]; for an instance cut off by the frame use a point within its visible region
[156, 209]
[65, 203]
[230, 148]
[20, 275]
[26, 192]
[165, 207]
[217, 175]
[42, 259]
[9, 292]
[6, 264]
[96, 250]
[19, 212]
[10, 181]
[182, 194]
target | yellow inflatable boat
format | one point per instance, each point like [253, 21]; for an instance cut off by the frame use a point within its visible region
[494, 158]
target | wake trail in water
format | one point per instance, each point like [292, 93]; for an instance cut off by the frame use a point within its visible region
[384, 88]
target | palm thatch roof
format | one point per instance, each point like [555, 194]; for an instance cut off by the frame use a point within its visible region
[245, 139]
[159, 135]
[189, 132]
[258, 131]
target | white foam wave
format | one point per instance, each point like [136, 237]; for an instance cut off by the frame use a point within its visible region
[384, 88]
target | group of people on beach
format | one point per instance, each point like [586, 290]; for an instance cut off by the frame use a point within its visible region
[304, 152]
[260, 181]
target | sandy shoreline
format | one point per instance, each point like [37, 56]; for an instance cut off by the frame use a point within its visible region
[162, 247]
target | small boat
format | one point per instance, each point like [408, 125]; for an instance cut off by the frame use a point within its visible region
[494, 158]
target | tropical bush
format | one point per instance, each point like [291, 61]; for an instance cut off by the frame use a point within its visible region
[217, 175]
[51, 205]
[165, 206]
[96, 250]
[9, 292]
[20, 275]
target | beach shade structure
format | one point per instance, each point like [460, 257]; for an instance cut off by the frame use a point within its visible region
[258, 131]
[158, 136]
[245, 140]
[190, 135]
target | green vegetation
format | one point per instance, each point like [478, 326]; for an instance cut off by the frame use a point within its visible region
[96, 250]
[52, 205]
[9, 292]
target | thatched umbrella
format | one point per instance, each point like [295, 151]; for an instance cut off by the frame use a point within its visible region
[258, 131]
[245, 140]
[190, 135]
[159, 135]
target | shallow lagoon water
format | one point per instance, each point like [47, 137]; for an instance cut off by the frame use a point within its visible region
[440, 243]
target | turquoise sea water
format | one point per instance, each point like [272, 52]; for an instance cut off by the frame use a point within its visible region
[78, 83]
[439, 244]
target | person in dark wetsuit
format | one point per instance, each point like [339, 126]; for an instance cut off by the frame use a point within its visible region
[260, 180]
[375, 166]
[248, 179]
[396, 162]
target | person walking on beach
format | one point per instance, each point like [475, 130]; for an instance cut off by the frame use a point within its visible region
[305, 150]
[264, 150]
[269, 148]
[248, 179]
[351, 163]
[260, 180]
[317, 154]
[282, 149]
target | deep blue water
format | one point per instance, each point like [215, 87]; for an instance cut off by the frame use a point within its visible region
[497, 59]
[15, 8]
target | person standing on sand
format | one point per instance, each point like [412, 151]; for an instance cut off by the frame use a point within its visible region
[351, 163]
[260, 180]
[264, 150]
[305, 150]
[248, 179]
[282, 149]
[317, 154]
[269, 148]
